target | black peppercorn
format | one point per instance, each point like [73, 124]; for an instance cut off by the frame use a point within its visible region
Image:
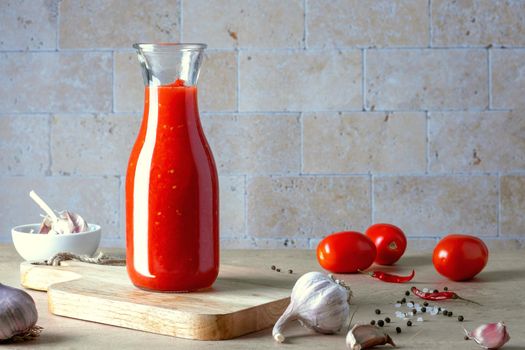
[380, 323]
[407, 293]
[409, 323]
[460, 318]
[423, 309]
[445, 289]
[378, 312]
[425, 304]
[387, 319]
[404, 300]
[414, 311]
[373, 322]
[436, 291]
[398, 330]
[273, 267]
[449, 314]
[290, 271]
[278, 270]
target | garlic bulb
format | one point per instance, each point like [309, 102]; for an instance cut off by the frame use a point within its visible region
[65, 222]
[318, 302]
[490, 335]
[18, 314]
[363, 336]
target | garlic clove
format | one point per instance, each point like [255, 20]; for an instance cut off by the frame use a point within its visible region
[363, 336]
[319, 303]
[490, 335]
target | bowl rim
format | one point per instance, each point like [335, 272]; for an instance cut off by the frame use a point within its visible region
[16, 230]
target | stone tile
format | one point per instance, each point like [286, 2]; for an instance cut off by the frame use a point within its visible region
[477, 141]
[24, 144]
[129, 84]
[513, 206]
[438, 205]
[59, 82]
[231, 207]
[508, 79]
[480, 23]
[307, 207]
[237, 243]
[28, 24]
[95, 198]
[364, 142]
[421, 244]
[92, 144]
[351, 23]
[300, 80]
[242, 144]
[246, 24]
[217, 82]
[117, 23]
[426, 79]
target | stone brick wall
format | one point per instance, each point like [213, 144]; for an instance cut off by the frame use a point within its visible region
[323, 115]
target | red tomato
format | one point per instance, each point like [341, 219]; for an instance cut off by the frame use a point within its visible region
[346, 252]
[390, 242]
[460, 257]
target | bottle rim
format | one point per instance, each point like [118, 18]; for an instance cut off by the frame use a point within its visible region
[169, 47]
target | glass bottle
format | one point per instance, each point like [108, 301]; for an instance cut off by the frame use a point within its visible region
[172, 193]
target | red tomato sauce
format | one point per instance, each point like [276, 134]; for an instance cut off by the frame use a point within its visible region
[182, 252]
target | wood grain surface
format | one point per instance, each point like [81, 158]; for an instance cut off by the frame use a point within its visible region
[242, 300]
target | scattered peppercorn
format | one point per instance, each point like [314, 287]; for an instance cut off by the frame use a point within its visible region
[425, 304]
[404, 300]
[378, 312]
[445, 289]
[460, 318]
[445, 313]
[373, 322]
[290, 271]
[387, 320]
[407, 293]
[436, 291]
[409, 323]
[398, 330]
[380, 323]
[449, 313]
[273, 267]
[278, 270]
[439, 309]
[423, 309]
[414, 311]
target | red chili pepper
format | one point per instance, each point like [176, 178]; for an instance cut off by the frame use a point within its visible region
[438, 295]
[388, 277]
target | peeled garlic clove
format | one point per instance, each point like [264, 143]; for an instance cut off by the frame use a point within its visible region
[18, 313]
[363, 336]
[318, 302]
[490, 335]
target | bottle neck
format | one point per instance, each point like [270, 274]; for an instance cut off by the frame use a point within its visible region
[173, 106]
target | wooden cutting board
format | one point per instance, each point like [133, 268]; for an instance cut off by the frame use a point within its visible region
[241, 301]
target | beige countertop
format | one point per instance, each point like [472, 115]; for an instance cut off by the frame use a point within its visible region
[500, 288]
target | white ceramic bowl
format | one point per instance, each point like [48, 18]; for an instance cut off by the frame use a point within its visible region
[34, 246]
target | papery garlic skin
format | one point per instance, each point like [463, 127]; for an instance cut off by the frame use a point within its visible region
[318, 302]
[363, 336]
[490, 335]
[18, 312]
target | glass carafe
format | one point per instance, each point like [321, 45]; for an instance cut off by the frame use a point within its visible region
[172, 194]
